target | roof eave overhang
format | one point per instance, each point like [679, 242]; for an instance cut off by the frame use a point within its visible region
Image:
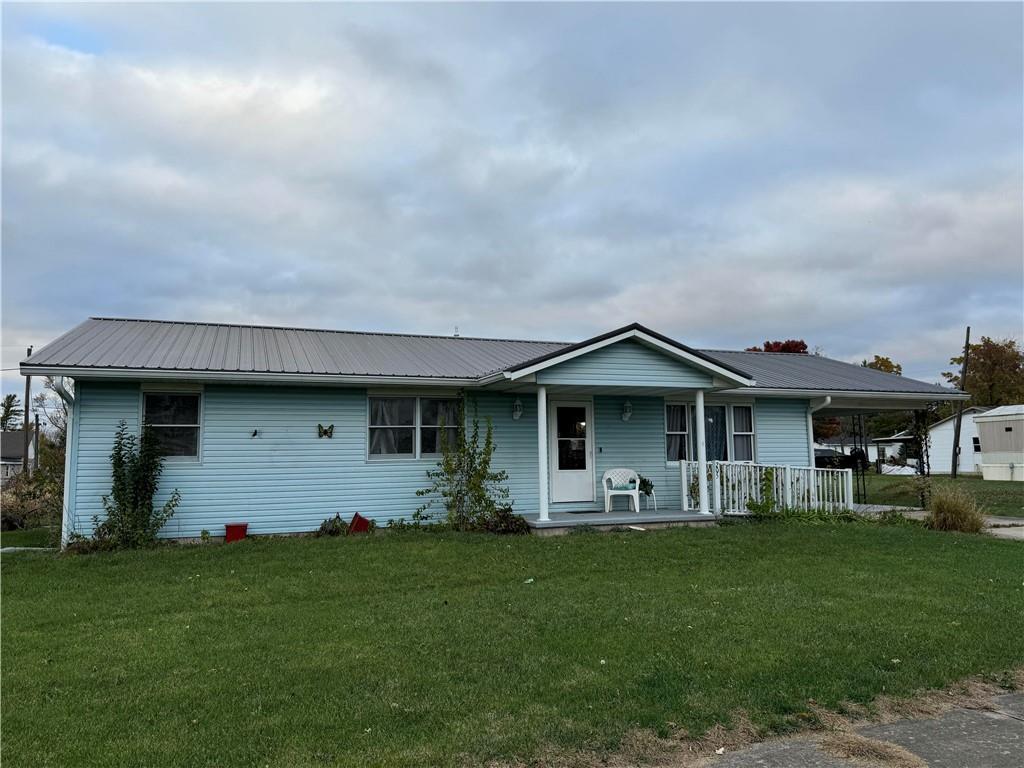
[662, 344]
[243, 377]
[931, 397]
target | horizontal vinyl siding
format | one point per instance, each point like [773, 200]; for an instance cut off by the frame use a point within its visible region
[289, 480]
[781, 427]
[625, 363]
[99, 410]
[637, 444]
[285, 480]
[515, 444]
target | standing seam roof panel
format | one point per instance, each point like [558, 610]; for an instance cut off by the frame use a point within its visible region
[158, 345]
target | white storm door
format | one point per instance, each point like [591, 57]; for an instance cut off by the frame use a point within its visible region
[570, 447]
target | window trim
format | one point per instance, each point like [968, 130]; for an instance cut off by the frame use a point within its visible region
[729, 426]
[176, 389]
[687, 421]
[417, 425]
[733, 433]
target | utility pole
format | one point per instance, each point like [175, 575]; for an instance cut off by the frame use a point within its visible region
[960, 406]
[35, 446]
[25, 422]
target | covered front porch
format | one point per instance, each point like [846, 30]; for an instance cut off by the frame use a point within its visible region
[711, 440]
[729, 489]
[636, 401]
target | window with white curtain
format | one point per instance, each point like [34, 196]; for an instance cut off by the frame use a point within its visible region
[716, 433]
[742, 433]
[728, 432]
[439, 424]
[392, 426]
[410, 427]
[677, 432]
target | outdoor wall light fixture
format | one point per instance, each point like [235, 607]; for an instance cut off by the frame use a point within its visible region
[627, 410]
[517, 409]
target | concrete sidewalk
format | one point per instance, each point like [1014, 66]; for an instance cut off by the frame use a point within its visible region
[960, 738]
[1000, 527]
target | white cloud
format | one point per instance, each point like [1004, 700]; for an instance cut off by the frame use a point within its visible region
[528, 171]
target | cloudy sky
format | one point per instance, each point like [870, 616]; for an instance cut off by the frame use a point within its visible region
[846, 174]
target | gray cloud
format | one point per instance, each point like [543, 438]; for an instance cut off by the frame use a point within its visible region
[846, 174]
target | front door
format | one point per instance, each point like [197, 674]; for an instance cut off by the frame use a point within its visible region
[570, 447]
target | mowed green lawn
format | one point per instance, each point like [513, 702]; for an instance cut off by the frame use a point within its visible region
[996, 497]
[29, 537]
[427, 649]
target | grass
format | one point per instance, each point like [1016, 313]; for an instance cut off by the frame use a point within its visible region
[1005, 499]
[428, 649]
[29, 537]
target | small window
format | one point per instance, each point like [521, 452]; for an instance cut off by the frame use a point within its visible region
[174, 418]
[392, 426]
[434, 414]
[677, 432]
[742, 433]
[977, 444]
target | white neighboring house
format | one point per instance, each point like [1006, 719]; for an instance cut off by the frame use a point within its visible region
[940, 443]
[885, 448]
[12, 448]
[875, 451]
[940, 447]
[1001, 432]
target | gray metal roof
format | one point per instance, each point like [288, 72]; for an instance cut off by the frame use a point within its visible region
[790, 370]
[172, 346]
[110, 344]
[12, 445]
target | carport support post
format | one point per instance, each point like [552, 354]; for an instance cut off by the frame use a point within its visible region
[542, 450]
[702, 453]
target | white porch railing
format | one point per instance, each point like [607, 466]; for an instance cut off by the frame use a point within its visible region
[732, 485]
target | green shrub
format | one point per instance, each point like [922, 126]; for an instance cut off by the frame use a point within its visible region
[36, 500]
[765, 506]
[895, 517]
[20, 508]
[472, 493]
[332, 526]
[505, 521]
[953, 509]
[135, 465]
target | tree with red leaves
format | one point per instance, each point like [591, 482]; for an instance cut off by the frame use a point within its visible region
[789, 345]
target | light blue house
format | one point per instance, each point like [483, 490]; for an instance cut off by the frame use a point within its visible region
[284, 427]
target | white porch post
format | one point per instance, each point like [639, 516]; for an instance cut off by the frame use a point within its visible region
[702, 454]
[542, 450]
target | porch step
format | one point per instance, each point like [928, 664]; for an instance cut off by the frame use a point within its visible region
[564, 522]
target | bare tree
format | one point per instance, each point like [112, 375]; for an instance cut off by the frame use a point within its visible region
[53, 408]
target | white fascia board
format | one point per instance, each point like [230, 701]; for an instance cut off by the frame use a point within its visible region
[669, 349]
[243, 377]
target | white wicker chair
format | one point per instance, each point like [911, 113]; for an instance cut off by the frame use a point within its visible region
[621, 482]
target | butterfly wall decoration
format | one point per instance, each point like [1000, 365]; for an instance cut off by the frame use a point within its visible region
[322, 431]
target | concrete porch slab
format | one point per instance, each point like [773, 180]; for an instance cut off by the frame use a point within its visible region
[563, 522]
